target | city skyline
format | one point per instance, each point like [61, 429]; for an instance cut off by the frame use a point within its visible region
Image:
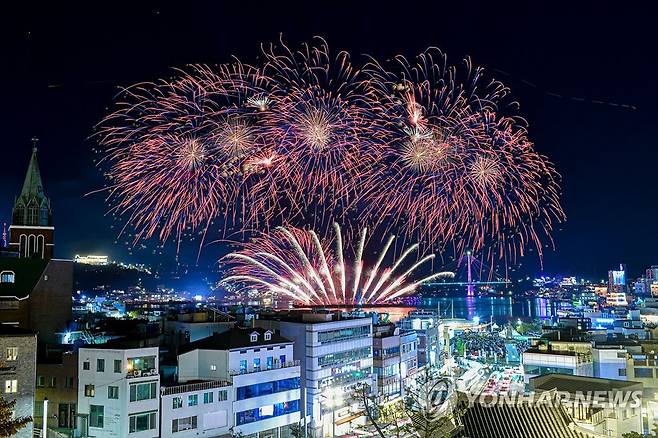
[602, 192]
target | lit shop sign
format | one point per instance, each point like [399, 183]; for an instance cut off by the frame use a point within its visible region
[356, 366]
[142, 373]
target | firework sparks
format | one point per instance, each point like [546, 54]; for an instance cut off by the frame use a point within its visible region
[431, 150]
[461, 171]
[295, 264]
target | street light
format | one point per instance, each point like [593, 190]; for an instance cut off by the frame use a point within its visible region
[333, 397]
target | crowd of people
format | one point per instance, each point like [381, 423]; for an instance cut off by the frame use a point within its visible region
[487, 344]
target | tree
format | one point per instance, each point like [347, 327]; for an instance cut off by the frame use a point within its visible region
[425, 412]
[297, 430]
[10, 425]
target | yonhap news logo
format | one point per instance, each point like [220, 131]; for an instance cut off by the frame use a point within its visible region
[594, 399]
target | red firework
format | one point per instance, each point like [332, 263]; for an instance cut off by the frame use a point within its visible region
[460, 171]
[174, 151]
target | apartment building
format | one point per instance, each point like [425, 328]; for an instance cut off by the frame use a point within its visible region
[118, 391]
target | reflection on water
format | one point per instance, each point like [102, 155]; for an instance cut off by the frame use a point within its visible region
[498, 309]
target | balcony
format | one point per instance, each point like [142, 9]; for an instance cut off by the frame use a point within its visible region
[191, 387]
[275, 366]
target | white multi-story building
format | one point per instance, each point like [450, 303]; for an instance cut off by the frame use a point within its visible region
[408, 354]
[558, 357]
[431, 336]
[386, 360]
[266, 384]
[335, 354]
[200, 409]
[118, 391]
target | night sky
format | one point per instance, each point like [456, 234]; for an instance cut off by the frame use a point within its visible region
[570, 70]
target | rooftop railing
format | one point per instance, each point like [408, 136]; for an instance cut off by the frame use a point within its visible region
[191, 387]
[274, 366]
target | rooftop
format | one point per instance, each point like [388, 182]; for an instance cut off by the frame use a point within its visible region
[237, 337]
[572, 384]
[311, 317]
[10, 330]
[524, 420]
[27, 272]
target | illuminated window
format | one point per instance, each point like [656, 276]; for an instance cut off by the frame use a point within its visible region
[11, 386]
[7, 277]
[90, 390]
[12, 353]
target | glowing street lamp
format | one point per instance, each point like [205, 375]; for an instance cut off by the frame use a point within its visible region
[333, 398]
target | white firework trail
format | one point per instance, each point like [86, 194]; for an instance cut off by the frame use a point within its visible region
[281, 263]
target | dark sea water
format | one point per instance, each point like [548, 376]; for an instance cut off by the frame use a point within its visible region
[498, 309]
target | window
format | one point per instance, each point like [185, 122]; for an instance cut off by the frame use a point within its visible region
[268, 336]
[622, 372]
[192, 400]
[344, 334]
[68, 382]
[268, 411]
[53, 382]
[243, 366]
[257, 363]
[266, 388]
[143, 391]
[117, 365]
[90, 390]
[12, 353]
[142, 422]
[143, 363]
[644, 372]
[41, 381]
[213, 367]
[207, 397]
[222, 396]
[96, 414]
[282, 359]
[181, 424]
[113, 392]
[176, 403]
[270, 362]
[254, 337]
[100, 365]
[344, 357]
[7, 277]
[85, 365]
[11, 386]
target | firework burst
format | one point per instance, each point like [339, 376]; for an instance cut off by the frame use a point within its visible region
[296, 264]
[419, 146]
[173, 151]
[460, 172]
[324, 124]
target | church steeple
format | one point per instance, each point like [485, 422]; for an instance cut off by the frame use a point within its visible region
[32, 186]
[32, 207]
[31, 230]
